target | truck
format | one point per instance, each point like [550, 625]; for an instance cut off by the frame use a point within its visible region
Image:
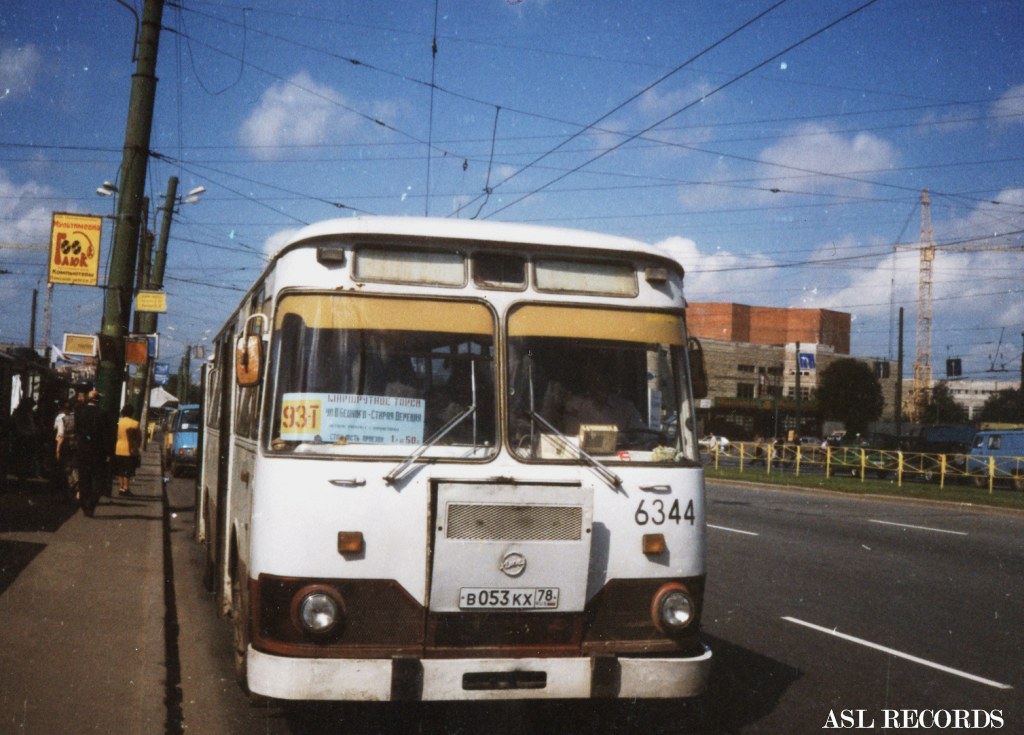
[997, 455]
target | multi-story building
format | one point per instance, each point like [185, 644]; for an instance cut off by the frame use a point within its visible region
[972, 394]
[763, 365]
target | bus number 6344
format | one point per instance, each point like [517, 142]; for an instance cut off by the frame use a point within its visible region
[658, 516]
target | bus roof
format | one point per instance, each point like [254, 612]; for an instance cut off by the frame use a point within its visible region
[476, 230]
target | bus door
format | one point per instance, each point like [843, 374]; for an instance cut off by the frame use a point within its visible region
[226, 396]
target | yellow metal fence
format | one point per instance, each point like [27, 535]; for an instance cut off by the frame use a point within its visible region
[865, 463]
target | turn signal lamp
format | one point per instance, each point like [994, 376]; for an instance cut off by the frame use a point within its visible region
[654, 543]
[351, 542]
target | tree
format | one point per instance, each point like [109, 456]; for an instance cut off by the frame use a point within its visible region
[849, 391]
[1003, 407]
[942, 409]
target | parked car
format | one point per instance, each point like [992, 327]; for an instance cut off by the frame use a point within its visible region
[1006, 448]
[953, 440]
[711, 441]
[879, 452]
[181, 439]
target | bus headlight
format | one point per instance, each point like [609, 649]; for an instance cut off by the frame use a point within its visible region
[320, 611]
[673, 609]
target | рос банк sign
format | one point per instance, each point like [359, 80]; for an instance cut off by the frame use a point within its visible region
[75, 249]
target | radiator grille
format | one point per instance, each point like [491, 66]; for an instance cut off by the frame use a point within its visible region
[475, 521]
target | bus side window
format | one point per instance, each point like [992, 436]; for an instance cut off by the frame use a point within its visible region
[698, 371]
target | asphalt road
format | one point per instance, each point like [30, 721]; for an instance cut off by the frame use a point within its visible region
[818, 606]
[822, 603]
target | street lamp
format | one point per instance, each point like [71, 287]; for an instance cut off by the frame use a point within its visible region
[193, 195]
[107, 190]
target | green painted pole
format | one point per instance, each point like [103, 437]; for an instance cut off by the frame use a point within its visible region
[132, 184]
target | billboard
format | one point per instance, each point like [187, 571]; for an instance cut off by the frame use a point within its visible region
[83, 345]
[75, 249]
[151, 301]
[161, 373]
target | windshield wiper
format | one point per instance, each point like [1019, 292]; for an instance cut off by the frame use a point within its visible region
[399, 470]
[613, 480]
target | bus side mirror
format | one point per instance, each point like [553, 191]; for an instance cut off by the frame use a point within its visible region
[248, 358]
[249, 354]
[698, 372]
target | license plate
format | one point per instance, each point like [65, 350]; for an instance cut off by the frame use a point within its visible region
[521, 598]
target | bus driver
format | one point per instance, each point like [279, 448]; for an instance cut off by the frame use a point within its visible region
[595, 403]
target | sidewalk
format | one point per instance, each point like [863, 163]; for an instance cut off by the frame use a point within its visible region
[82, 644]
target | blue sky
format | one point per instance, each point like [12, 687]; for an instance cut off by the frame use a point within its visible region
[781, 158]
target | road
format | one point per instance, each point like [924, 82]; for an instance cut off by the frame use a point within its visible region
[819, 602]
[818, 606]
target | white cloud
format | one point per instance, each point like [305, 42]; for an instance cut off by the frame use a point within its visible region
[708, 273]
[1009, 109]
[296, 112]
[656, 104]
[21, 218]
[988, 219]
[813, 149]
[18, 70]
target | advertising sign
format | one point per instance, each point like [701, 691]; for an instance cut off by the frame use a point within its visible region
[161, 373]
[83, 345]
[75, 249]
[135, 350]
[151, 301]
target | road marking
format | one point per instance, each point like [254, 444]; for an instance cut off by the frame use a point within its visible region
[734, 530]
[899, 654]
[920, 528]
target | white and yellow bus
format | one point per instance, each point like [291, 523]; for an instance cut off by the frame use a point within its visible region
[454, 460]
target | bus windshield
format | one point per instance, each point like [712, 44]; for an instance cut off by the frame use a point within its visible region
[379, 376]
[609, 382]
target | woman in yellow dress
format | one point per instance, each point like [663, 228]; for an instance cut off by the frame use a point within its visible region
[126, 453]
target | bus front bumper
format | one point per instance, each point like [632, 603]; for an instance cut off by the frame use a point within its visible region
[414, 679]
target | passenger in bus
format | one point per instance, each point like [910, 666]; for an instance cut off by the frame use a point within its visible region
[594, 403]
[401, 378]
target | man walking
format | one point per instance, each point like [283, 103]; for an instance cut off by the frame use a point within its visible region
[95, 435]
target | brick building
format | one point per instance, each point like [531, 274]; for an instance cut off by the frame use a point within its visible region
[752, 355]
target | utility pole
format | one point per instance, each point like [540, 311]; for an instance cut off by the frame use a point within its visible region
[187, 369]
[147, 320]
[118, 296]
[153, 280]
[32, 321]
[899, 382]
[798, 393]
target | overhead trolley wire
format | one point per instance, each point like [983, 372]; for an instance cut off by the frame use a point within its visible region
[691, 104]
[623, 104]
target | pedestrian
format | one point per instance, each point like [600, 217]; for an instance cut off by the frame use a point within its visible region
[25, 439]
[65, 476]
[95, 438]
[126, 452]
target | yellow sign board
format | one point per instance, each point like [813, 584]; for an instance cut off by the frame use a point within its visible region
[75, 249]
[80, 344]
[151, 301]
